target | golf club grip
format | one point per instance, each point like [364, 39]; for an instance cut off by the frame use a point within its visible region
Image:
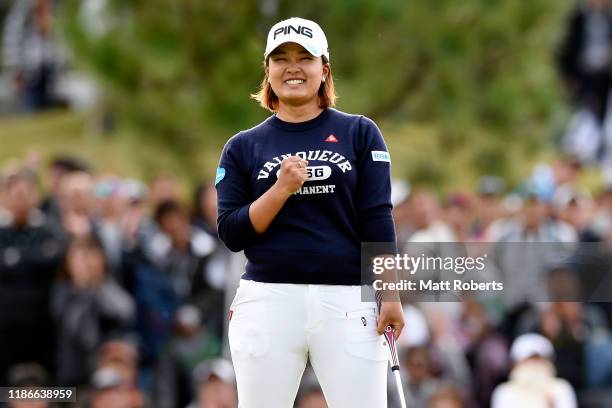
[390, 336]
[394, 360]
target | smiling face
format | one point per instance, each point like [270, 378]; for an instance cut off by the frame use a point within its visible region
[295, 75]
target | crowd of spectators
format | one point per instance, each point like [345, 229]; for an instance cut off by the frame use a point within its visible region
[113, 286]
[121, 289]
[554, 308]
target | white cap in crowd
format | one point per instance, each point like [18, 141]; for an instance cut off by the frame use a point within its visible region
[530, 345]
[218, 367]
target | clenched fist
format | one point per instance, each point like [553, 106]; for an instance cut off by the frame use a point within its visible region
[292, 174]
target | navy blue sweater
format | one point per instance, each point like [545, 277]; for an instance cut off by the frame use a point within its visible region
[316, 236]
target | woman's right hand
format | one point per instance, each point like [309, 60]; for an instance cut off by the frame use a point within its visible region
[292, 175]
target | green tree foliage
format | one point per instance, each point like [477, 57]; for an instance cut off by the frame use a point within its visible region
[181, 71]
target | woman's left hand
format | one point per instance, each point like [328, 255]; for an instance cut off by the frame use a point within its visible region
[391, 314]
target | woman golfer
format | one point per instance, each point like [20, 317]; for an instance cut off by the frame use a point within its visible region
[299, 193]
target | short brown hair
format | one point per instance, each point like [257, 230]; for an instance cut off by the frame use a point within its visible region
[268, 99]
[169, 207]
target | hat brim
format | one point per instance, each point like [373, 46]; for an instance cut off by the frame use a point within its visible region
[298, 41]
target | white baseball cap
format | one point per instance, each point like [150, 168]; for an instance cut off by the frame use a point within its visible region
[218, 367]
[530, 345]
[301, 31]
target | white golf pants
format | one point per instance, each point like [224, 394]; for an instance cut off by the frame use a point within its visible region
[275, 327]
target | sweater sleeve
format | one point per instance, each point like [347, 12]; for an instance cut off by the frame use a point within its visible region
[234, 197]
[374, 187]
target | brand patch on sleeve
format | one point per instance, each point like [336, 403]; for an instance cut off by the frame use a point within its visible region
[382, 156]
[220, 175]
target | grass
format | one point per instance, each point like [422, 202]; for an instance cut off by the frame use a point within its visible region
[63, 132]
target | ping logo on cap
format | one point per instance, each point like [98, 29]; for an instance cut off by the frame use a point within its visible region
[304, 32]
[307, 31]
